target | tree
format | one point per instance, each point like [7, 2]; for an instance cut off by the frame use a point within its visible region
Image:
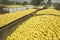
[36, 2]
[24, 3]
[48, 4]
[18, 3]
[57, 6]
[5, 1]
[0, 2]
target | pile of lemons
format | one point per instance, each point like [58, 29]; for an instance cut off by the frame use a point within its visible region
[9, 17]
[40, 7]
[44, 27]
[49, 11]
[13, 6]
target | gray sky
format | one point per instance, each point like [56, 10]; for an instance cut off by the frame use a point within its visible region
[45, 0]
[56, 1]
[53, 1]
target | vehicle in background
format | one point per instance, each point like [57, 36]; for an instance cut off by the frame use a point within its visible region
[2, 9]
